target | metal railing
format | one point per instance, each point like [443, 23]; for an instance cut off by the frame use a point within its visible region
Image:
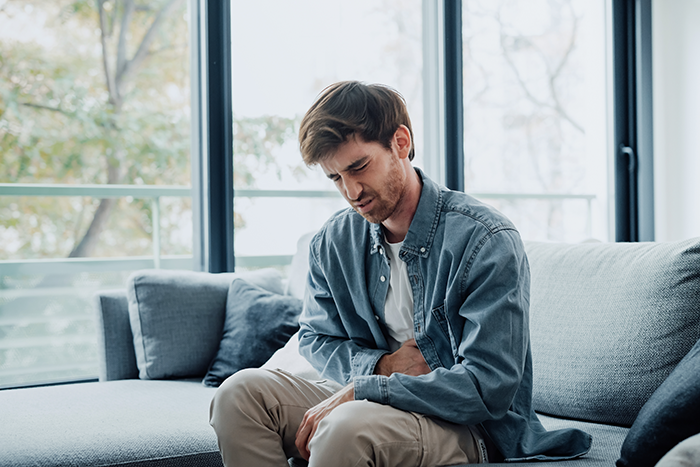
[154, 193]
[547, 197]
[101, 192]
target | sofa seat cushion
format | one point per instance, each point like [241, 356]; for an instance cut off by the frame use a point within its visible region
[127, 423]
[607, 440]
[608, 324]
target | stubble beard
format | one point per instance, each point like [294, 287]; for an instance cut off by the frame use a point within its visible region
[387, 200]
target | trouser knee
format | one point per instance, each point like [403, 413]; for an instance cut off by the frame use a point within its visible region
[347, 428]
[240, 392]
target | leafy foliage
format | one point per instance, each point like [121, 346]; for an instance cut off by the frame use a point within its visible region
[102, 96]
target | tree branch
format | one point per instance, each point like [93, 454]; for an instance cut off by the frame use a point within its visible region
[115, 84]
[557, 105]
[112, 90]
[45, 107]
[555, 74]
[127, 14]
[142, 52]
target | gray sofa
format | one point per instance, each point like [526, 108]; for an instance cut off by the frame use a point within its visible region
[608, 323]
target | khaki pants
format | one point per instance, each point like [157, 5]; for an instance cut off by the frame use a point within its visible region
[256, 413]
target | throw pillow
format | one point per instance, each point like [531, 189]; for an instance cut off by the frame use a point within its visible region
[176, 318]
[671, 415]
[257, 323]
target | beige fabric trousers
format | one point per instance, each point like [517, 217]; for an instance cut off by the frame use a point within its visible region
[256, 413]
[684, 454]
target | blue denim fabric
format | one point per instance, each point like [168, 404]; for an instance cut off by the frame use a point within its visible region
[471, 282]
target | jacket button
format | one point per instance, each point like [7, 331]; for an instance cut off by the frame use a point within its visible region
[422, 249]
[382, 278]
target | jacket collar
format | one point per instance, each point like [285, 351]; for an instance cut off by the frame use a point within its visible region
[421, 232]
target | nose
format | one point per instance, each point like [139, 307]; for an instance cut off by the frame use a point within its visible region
[353, 189]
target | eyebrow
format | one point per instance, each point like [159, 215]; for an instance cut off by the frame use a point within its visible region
[358, 163]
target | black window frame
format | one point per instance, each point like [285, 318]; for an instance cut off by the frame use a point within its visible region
[633, 109]
[212, 136]
[633, 122]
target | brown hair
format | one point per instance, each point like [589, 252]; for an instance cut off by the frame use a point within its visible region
[371, 111]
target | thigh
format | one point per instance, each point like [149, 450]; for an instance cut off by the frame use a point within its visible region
[256, 413]
[447, 443]
[363, 433]
[684, 454]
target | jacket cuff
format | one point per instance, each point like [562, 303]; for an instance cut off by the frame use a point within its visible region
[373, 388]
[363, 362]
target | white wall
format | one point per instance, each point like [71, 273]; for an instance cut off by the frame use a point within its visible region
[676, 57]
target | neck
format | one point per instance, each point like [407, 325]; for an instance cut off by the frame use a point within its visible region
[396, 226]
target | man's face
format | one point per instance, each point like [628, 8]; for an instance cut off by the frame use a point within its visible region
[369, 176]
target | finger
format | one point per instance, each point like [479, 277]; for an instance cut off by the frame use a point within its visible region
[301, 439]
[307, 449]
[314, 427]
[303, 422]
[301, 443]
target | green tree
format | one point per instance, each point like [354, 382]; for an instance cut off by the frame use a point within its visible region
[105, 109]
[106, 101]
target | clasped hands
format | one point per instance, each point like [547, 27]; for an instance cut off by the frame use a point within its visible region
[407, 360]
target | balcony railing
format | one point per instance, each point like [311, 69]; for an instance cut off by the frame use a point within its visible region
[154, 193]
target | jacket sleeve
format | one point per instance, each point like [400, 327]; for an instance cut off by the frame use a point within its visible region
[493, 349]
[323, 339]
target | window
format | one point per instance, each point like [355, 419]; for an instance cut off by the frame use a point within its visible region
[535, 115]
[284, 54]
[94, 141]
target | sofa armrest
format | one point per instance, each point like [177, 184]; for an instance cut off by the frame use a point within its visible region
[115, 342]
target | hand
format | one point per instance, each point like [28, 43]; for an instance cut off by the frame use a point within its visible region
[407, 360]
[315, 414]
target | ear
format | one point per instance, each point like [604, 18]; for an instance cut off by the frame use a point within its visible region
[402, 141]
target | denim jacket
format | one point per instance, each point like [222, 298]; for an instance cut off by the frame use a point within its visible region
[471, 283]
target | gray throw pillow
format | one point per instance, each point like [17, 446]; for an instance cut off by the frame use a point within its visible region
[671, 415]
[257, 323]
[176, 318]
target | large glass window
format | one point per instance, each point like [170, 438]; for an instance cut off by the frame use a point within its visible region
[535, 116]
[94, 150]
[95, 125]
[284, 54]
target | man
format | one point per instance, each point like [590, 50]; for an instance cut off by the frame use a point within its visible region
[416, 303]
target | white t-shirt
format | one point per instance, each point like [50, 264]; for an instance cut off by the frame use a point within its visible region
[398, 309]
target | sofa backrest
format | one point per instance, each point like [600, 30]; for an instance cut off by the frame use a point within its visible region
[169, 291]
[608, 323]
[299, 269]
